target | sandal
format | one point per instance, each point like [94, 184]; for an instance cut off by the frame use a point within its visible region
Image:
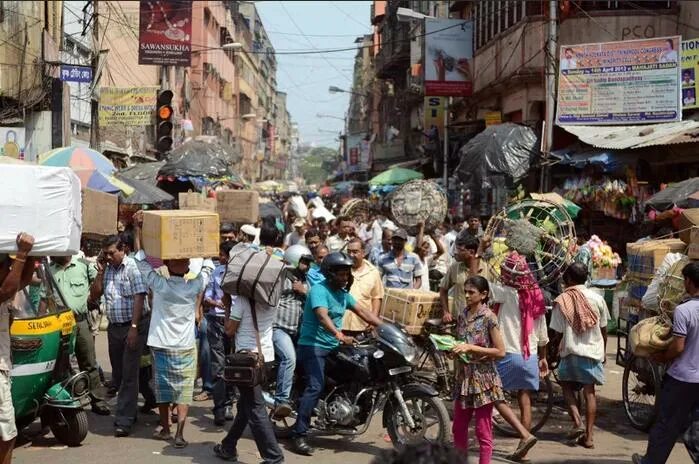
[180, 442]
[582, 441]
[203, 396]
[223, 454]
[162, 434]
[525, 445]
[575, 433]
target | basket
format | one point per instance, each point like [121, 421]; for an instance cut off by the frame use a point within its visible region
[671, 292]
[417, 201]
[357, 209]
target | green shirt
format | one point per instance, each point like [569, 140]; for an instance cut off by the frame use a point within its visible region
[74, 283]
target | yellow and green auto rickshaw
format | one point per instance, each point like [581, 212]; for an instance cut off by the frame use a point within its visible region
[44, 384]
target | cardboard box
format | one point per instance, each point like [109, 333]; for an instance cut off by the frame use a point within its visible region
[44, 202]
[100, 211]
[693, 252]
[410, 308]
[241, 206]
[196, 201]
[646, 257]
[173, 234]
[688, 220]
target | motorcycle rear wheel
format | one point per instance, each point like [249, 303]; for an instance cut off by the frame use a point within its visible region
[428, 413]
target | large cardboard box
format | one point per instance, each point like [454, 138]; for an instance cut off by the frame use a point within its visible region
[44, 202]
[241, 206]
[688, 220]
[410, 308]
[196, 201]
[100, 211]
[173, 234]
[646, 257]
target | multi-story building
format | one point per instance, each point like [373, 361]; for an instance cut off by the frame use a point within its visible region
[282, 137]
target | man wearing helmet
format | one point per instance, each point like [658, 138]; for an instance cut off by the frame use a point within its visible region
[286, 325]
[321, 334]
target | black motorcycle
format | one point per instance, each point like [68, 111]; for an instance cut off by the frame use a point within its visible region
[374, 375]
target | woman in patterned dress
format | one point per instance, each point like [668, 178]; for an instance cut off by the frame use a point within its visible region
[478, 386]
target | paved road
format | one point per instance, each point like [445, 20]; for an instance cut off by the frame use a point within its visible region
[615, 440]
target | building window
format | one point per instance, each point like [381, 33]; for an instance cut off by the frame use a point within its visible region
[493, 18]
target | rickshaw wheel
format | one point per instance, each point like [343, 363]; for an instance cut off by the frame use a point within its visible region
[69, 426]
[640, 390]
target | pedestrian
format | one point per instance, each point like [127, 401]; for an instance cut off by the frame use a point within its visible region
[367, 289]
[312, 239]
[383, 247]
[252, 409]
[15, 274]
[124, 290]
[580, 317]
[171, 336]
[345, 231]
[467, 251]
[478, 386]
[73, 278]
[227, 232]
[423, 250]
[473, 227]
[297, 236]
[679, 396]
[400, 268]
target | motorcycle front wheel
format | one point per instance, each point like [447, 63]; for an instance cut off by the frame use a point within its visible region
[69, 426]
[429, 414]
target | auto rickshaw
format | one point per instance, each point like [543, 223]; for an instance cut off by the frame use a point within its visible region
[43, 383]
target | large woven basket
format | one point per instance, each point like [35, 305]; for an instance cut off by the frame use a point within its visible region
[416, 201]
[357, 209]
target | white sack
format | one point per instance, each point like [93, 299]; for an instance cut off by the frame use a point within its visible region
[44, 202]
[298, 206]
[317, 202]
[650, 298]
[323, 212]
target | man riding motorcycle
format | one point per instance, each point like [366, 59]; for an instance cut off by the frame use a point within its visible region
[321, 334]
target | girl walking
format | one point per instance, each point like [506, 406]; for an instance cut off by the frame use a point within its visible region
[478, 386]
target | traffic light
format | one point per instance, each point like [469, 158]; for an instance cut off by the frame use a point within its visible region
[163, 126]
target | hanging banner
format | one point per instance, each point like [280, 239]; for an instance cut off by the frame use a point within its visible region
[358, 152]
[634, 81]
[493, 118]
[127, 106]
[165, 33]
[690, 71]
[448, 56]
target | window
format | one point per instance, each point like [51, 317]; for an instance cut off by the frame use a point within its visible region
[493, 17]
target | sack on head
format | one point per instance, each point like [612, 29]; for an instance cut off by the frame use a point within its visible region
[253, 274]
[650, 336]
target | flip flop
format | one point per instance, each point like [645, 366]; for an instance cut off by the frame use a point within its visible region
[162, 435]
[203, 396]
[523, 448]
[180, 443]
[574, 434]
[582, 441]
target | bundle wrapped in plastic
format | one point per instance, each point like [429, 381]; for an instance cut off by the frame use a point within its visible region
[298, 206]
[523, 236]
[651, 300]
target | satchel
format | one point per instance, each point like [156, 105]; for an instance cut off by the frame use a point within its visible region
[246, 368]
[649, 336]
[253, 274]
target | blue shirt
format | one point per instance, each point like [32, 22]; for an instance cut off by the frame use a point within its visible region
[402, 276]
[685, 367]
[121, 285]
[214, 290]
[314, 276]
[336, 302]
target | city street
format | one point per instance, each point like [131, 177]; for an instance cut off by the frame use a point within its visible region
[615, 439]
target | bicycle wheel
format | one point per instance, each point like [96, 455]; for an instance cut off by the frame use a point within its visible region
[640, 389]
[542, 404]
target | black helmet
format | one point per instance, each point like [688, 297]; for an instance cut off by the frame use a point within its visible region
[333, 263]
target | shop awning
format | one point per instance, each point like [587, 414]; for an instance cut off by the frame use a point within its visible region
[621, 137]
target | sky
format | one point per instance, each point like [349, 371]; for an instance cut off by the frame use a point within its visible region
[315, 25]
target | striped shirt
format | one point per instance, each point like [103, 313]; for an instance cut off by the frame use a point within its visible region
[121, 285]
[402, 276]
[290, 307]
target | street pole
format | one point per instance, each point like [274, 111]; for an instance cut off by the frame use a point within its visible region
[551, 47]
[94, 104]
[446, 145]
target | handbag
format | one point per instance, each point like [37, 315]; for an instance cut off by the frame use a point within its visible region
[254, 275]
[246, 368]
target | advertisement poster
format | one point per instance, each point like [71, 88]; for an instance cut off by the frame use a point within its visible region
[12, 142]
[165, 33]
[448, 57]
[434, 119]
[358, 152]
[127, 106]
[634, 81]
[690, 71]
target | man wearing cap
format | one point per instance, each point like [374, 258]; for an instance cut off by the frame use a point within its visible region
[296, 237]
[400, 268]
[249, 234]
[227, 232]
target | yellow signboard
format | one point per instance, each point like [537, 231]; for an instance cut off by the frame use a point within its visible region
[690, 72]
[434, 118]
[127, 106]
[492, 118]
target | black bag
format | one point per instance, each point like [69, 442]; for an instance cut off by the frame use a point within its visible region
[247, 368]
[691, 436]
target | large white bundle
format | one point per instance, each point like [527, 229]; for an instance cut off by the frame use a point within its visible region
[298, 206]
[317, 202]
[650, 299]
[44, 202]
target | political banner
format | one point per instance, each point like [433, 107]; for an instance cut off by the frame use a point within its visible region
[358, 152]
[127, 106]
[690, 71]
[165, 33]
[448, 57]
[633, 81]
[70, 73]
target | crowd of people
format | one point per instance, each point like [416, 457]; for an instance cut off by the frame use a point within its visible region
[171, 323]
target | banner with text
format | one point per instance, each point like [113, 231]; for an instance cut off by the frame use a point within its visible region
[634, 81]
[448, 55]
[165, 33]
[127, 106]
[358, 152]
[690, 70]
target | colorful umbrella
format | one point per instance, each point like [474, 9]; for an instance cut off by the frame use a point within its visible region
[396, 176]
[96, 180]
[77, 158]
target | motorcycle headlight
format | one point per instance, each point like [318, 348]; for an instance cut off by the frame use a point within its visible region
[410, 353]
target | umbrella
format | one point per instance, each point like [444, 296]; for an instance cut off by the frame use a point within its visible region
[77, 158]
[396, 176]
[144, 193]
[270, 209]
[197, 158]
[96, 180]
[326, 191]
[147, 172]
[675, 194]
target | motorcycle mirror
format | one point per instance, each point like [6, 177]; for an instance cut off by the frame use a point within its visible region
[378, 354]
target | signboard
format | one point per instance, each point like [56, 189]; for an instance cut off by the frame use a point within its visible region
[434, 119]
[76, 73]
[690, 72]
[12, 142]
[634, 81]
[127, 106]
[358, 152]
[492, 118]
[165, 33]
[448, 57]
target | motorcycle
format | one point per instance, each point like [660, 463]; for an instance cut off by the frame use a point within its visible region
[374, 375]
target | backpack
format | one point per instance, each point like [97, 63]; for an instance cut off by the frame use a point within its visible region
[254, 274]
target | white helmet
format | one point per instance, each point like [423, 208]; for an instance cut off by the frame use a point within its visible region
[295, 253]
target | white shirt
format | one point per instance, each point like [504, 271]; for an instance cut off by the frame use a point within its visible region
[425, 282]
[293, 238]
[245, 338]
[336, 243]
[590, 343]
[510, 318]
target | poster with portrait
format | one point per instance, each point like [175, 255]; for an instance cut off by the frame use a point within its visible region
[633, 81]
[165, 33]
[448, 57]
[690, 72]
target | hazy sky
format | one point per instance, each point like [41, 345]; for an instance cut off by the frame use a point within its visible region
[308, 26]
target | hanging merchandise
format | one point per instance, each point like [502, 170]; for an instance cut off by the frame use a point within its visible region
[612, 197]
[604, 259]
